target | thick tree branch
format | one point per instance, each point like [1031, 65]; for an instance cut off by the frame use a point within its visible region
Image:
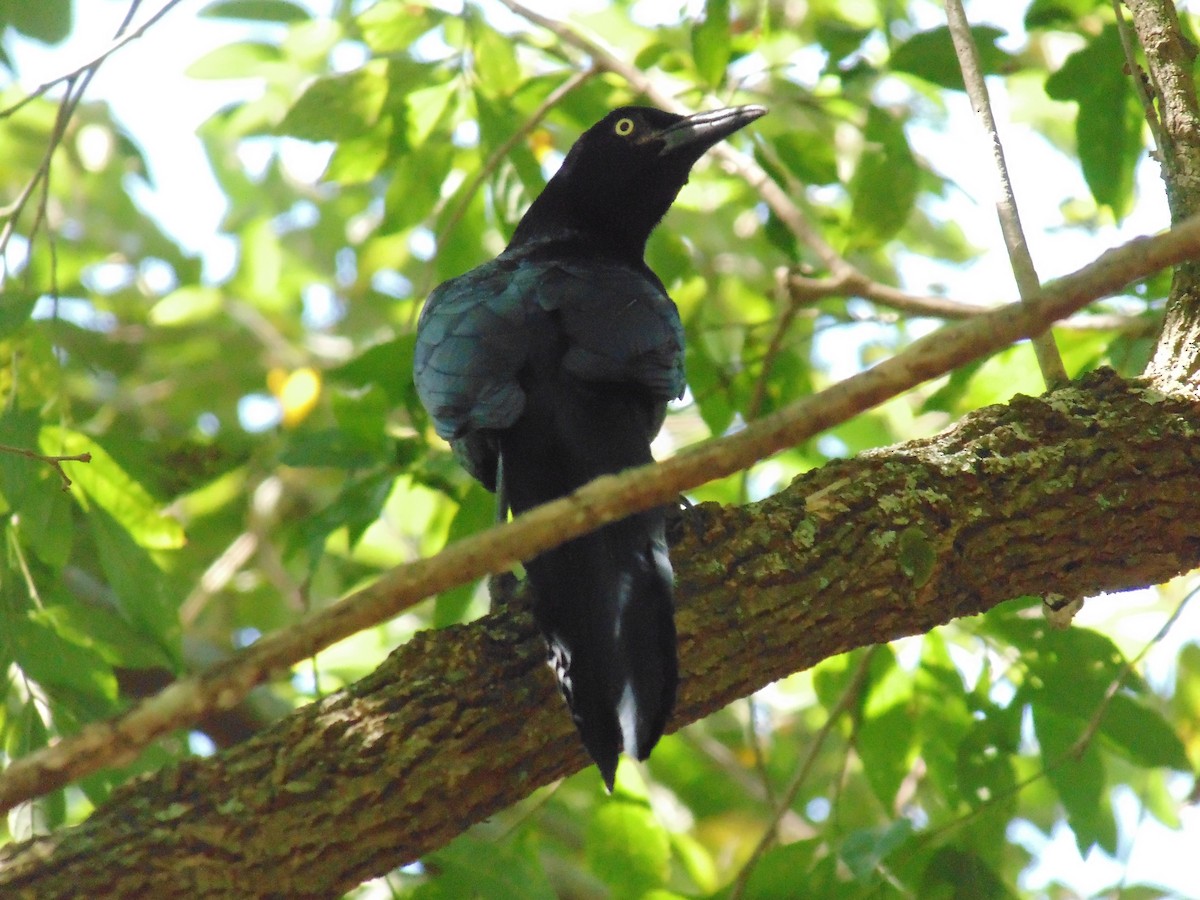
[1087, 489]
[1170, 59]
[117, 741]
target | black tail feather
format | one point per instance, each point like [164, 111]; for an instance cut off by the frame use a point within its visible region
[604, 600]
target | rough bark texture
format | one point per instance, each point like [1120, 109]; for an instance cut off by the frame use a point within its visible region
[1088, 489]
[1170, 58]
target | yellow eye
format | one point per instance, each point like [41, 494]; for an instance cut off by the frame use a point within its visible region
[624, 127]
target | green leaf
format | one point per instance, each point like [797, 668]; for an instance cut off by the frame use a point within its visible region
[15, 308]
[102, 629]
[1142, 735]
[885, 733]
[359, 159]
[469, 867]
[955, 873]
[839, 38]
[137, 584]
[339, 106]
[780, 869]
[357, 505]
[244, 59]
[884, 186]
[495, 59]
[984, 766]
[331, 447]
[1056, 13]
[1079, 780]
[44, 523]
[391, 26]
[110, 487]
[627, 848]
[930, 55]
[256, 11]
[811, 156]
[387, 365]
[33, 491]
[864, 850]
[48, 21]
[426, 108]
[55, 661]
[710, 42]
[186, 305]
[1109, 125]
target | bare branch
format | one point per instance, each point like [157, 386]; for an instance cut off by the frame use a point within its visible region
[500, 153]
[54, 462]
[92, 64]
[1028, 283]
[804, 290]
[850, 696]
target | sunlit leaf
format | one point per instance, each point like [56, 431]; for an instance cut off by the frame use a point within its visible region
[710, 41]
[245, 59]
[107, 485]
[339, 106]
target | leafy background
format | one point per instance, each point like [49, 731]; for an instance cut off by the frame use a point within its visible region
[257, 450]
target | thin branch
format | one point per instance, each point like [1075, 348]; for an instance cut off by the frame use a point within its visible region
[118, 42]
[604, 500]
[1028, 283]
[1071, 754]
[1085, 738]
[1136, 75]
[77, 82]
[754, 175]
[55, 462]
[501, 153]
[849, 696]
[804, 290]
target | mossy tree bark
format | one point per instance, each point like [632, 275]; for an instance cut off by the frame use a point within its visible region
[1085, 490]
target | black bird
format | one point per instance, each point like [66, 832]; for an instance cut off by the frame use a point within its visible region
[552, 365]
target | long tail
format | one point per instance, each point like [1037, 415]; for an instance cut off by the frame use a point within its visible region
[604, 600]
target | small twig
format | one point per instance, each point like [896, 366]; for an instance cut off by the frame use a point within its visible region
[498, 155]
[1072, 753]
[849, 696]
[756, 747]
[1128, 44]
[1093, 725]
[805, 290]
[77, 82]
[119, 41]
[753, 174]
[54, 462]
[1028, 283]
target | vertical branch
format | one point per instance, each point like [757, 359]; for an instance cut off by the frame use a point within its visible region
[1028, 283]
[1169, 60]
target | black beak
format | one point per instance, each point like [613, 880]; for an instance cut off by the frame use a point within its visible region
[699, 132]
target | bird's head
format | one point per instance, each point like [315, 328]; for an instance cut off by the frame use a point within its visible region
[622, 174]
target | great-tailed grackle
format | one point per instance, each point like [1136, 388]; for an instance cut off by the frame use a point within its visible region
[552, 365]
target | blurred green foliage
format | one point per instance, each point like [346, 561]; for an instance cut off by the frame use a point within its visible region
[199, 521]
